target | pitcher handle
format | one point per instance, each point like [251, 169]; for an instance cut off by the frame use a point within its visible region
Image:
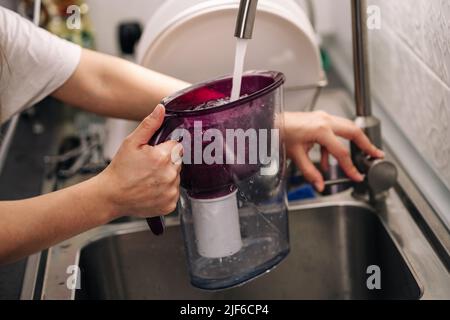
[157, 224]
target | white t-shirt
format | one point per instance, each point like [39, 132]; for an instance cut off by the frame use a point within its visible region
[37, 63]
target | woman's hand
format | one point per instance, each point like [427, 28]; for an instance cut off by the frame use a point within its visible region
[140, 181]
[143, 180]
[303, 130]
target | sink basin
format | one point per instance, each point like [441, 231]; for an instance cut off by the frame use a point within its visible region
[331, 249]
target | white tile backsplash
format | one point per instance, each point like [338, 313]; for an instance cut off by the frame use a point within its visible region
[410, 62]
[424, 26]
[410, 70]
[414, 96]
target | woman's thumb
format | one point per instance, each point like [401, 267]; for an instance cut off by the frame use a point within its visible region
[148, 127]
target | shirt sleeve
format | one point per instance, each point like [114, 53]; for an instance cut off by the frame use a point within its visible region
[35, 63]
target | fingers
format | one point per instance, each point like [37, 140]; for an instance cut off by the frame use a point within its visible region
[172, 149]
[324, 159]
[176, 154]
[148, 127]
[172, 192]
[310, 172]
[349, 130]
[341, 153]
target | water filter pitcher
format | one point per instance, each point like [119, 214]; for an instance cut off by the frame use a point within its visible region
[233, 206]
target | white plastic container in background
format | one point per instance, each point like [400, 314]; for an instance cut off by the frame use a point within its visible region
[194, 40]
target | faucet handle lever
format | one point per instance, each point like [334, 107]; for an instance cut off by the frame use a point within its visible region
[381, 175]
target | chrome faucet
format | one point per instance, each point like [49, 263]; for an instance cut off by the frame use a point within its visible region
[246, 19]
[381, 174]
[364, 118]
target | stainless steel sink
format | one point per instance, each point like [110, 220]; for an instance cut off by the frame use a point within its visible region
[331, 249]
[334, 240]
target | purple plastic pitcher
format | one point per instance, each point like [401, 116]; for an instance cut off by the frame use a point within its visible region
[193, 112]
[233, 202]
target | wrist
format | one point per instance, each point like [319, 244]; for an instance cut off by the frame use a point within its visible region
[102, 193]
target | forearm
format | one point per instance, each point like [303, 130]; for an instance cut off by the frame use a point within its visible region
[31, 225]
[114, 87]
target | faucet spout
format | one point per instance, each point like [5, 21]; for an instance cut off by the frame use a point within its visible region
[246, 19]
[365, 119]
[361, 58]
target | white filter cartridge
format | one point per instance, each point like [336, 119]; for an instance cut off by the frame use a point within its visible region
[216, 226]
